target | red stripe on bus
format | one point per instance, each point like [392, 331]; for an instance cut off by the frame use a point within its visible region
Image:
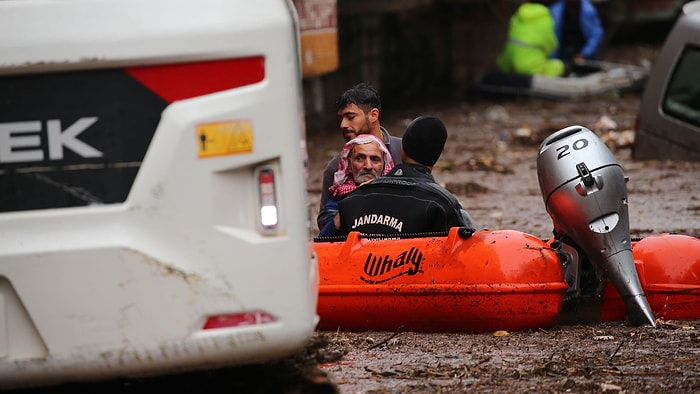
[186, 80]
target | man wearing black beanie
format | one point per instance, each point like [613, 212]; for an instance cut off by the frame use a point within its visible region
[407, 200]
[423, 141]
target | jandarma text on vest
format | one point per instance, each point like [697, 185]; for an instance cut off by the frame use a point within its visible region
[384, 220]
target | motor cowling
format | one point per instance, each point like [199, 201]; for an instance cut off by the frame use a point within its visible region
[585, 194]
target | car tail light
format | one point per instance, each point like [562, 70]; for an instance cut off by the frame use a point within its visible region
[242, 319]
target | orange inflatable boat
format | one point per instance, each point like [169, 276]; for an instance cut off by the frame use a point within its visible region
[493, 280]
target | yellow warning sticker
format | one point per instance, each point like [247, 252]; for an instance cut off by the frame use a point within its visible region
[224, 138]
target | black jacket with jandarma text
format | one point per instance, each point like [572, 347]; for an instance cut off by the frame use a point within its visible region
[405, 201]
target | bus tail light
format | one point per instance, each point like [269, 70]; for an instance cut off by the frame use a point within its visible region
[251, 318]
[269, 213]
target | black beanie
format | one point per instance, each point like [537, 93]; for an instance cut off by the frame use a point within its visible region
[424, 139]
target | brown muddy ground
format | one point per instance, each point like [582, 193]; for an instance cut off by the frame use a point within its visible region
[609, 357]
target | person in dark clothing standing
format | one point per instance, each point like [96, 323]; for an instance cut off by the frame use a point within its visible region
[407, 200]
[359, 113]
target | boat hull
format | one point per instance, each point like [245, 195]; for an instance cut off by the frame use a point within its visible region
[669, 270]
[494, 280]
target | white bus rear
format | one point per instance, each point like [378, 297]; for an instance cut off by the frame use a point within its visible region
[153, 212]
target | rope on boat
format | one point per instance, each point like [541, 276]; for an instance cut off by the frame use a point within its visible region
[463, 232]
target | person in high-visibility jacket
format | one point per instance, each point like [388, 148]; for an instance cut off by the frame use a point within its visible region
[531, 42]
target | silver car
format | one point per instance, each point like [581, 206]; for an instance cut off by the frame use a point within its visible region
[668, 123]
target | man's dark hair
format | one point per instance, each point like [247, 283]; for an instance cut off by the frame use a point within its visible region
[363, 95]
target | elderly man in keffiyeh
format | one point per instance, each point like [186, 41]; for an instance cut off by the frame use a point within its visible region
[361, 160]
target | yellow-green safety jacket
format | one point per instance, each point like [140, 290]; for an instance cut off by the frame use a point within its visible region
[531, 41]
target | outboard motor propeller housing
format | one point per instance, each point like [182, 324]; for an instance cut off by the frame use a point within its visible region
[585, 194]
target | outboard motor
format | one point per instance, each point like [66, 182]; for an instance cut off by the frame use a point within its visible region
[585, 194]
